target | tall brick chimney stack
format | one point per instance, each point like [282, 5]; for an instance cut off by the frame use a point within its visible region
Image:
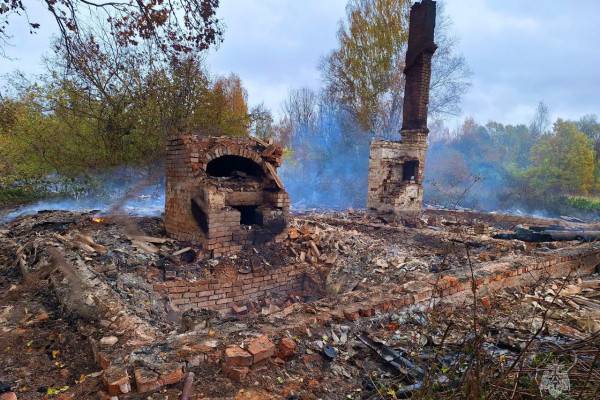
[418, 65]
[396, 168]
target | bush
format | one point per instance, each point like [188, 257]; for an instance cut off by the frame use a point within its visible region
[583, 203]
[10, 196]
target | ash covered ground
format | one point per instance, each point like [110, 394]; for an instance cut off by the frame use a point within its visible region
[436, 310]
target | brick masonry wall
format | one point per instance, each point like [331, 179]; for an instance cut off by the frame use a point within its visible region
[187, 183]
[386, 191]
[223, 295]
[418, 65]
[490, 278]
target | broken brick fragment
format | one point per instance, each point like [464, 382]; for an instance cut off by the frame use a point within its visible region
[171, 373]
[236, 374]
[485, 302]
[324, 318]
[116, 381]
[352, 313]
[313, 384]
[366, 311]
[447, 281]
[146, 380]
[235, 356]
[102, 359]
[8, 396]
[287, 348]
[261, 349]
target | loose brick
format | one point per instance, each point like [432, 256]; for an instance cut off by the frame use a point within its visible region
[352, 313]
[116, 381]
[287, 348]
[171, 373]
[146, 380]
[237, 357]
[261, 349]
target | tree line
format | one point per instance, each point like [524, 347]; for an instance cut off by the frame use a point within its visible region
[112, 93]
[110, 98]
[539, 167]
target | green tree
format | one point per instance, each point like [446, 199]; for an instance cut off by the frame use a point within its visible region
[262, 123]
[228, 107]
[562, 163]
[111, 109]
[365, 73]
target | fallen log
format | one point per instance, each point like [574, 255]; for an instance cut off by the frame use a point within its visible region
[539, 236]
[144, 246]
[149, 239]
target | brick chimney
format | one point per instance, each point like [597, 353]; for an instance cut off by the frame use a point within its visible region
[396, 168]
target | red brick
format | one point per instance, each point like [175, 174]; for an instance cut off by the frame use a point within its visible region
[366, 310]
[102, 360]
[171, 373]
[287, 348]
[352, 313]
[261, 349]
[178, 289]
[235, 356]
[485, 302]
[116, 381]
[146, 380]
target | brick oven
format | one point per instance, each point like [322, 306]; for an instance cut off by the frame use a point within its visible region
[224, 192]
[396, 168]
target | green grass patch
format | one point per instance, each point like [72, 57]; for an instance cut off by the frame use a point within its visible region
[584, 203]
[20, 195]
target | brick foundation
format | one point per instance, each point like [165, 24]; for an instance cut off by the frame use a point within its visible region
[242, 289]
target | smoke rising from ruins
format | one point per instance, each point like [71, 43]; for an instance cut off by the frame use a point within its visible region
[326, 169]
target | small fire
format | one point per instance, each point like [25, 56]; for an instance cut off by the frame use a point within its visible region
[98, 220]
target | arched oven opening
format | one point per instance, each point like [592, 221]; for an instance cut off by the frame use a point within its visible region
[229, 166]
[226, 202]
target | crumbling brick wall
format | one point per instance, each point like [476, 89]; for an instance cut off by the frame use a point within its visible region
[216, 185]
[395, 176]
[224, 294]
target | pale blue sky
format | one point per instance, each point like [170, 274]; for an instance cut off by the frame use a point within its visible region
[520, 51]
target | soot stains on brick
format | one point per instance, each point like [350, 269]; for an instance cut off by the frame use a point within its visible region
[224, 192]
[396, 167]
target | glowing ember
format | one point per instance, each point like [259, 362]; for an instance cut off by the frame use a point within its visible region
[98, 220]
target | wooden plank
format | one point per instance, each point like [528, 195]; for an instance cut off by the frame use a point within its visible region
[274, 175]
[150, 239]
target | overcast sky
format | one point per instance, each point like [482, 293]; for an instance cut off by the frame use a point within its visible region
[520, 52]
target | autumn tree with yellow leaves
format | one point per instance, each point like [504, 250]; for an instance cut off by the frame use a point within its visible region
[364, 73]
